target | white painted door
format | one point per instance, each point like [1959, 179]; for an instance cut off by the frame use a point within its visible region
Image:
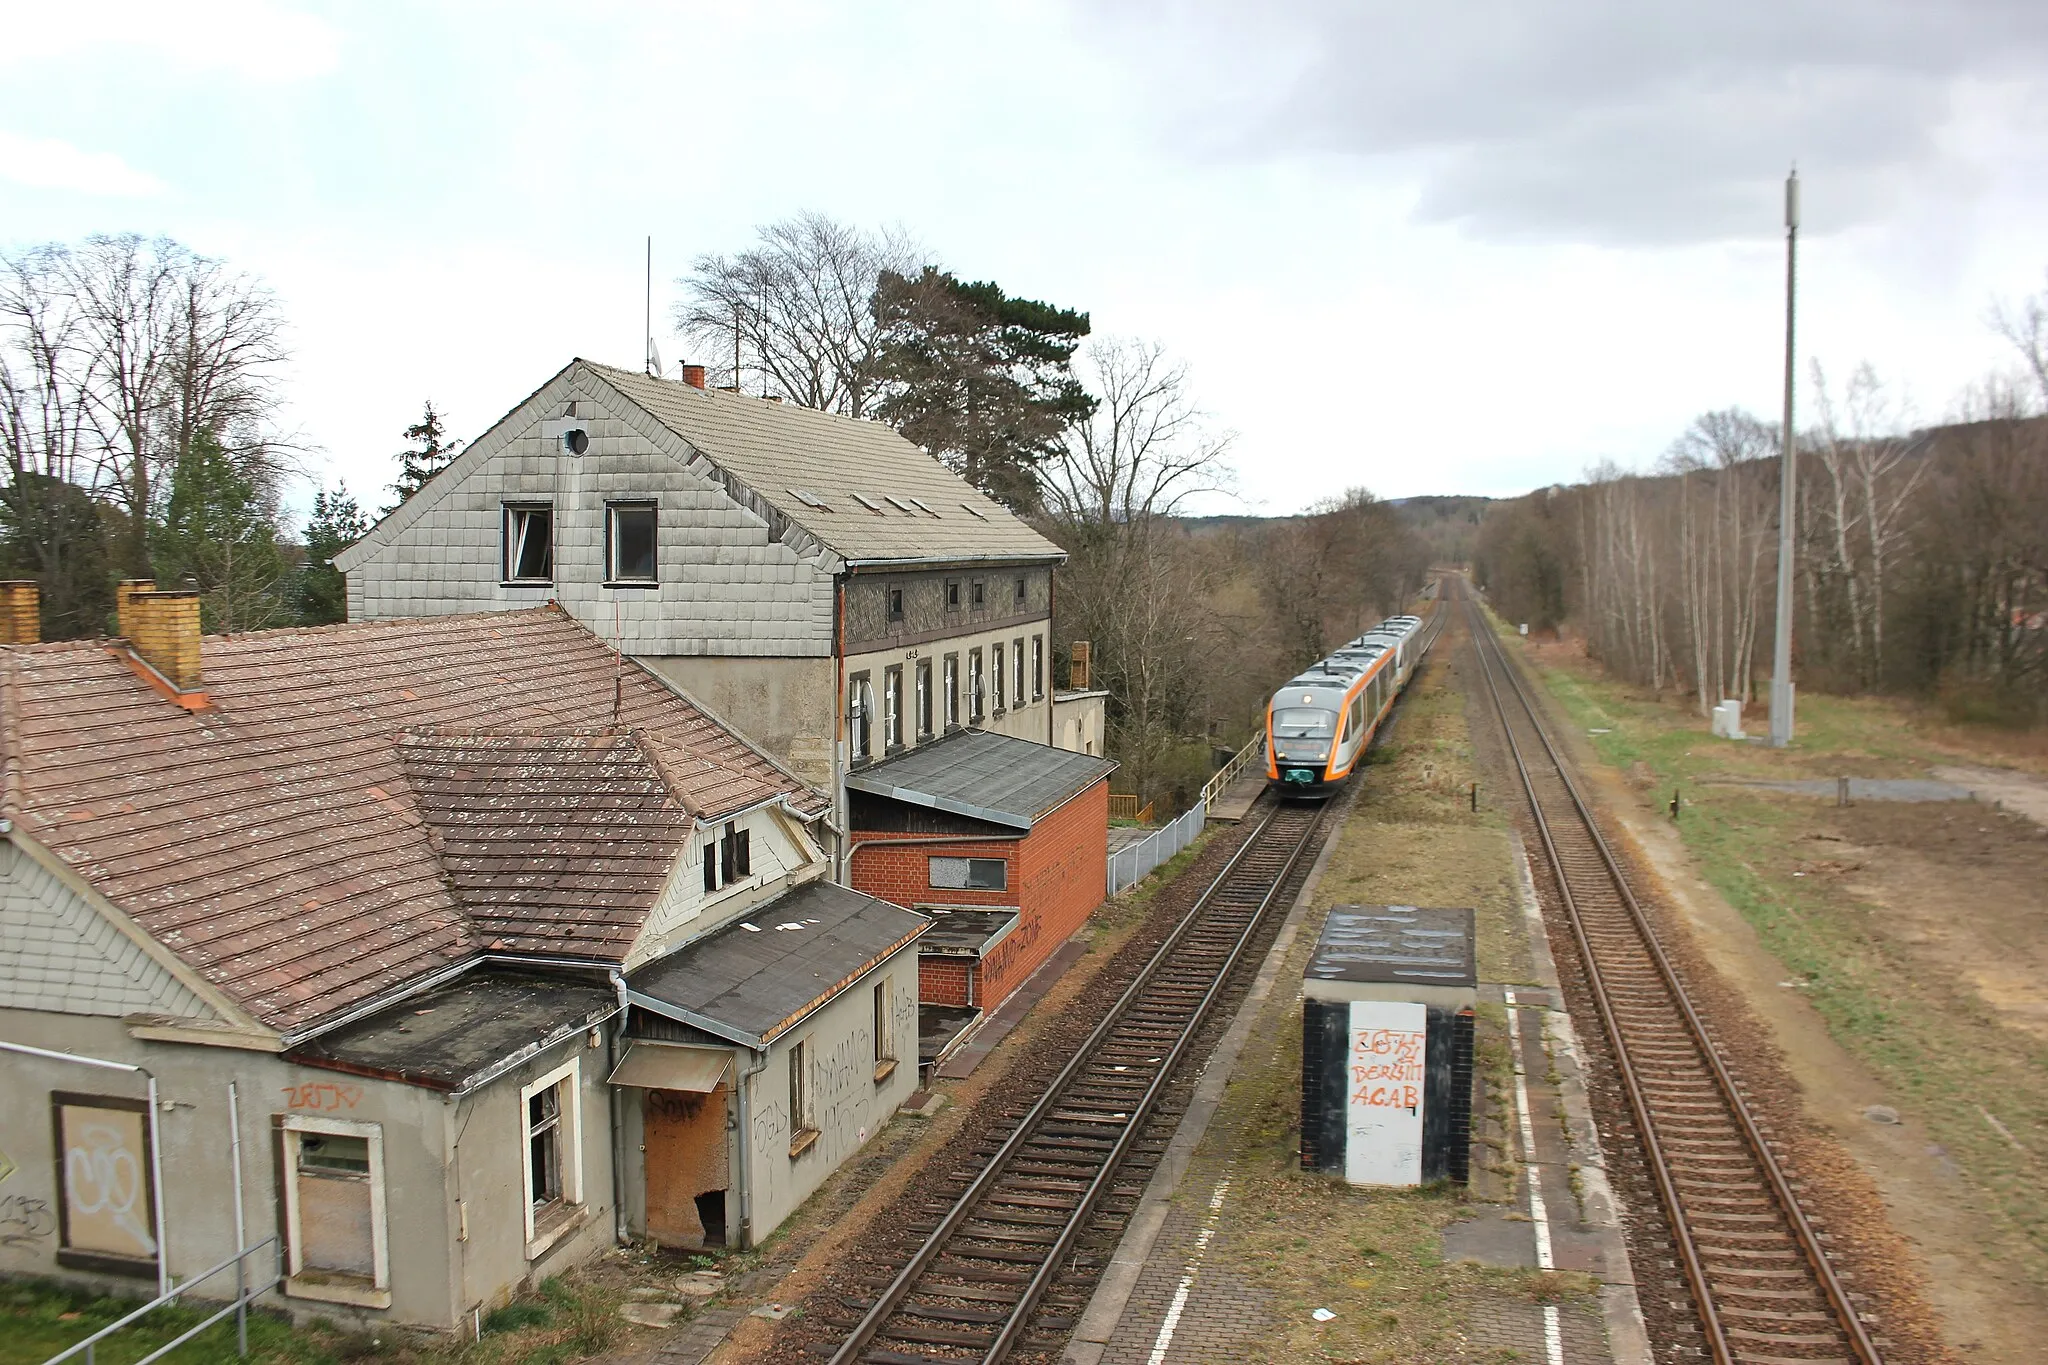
[1383, 1139]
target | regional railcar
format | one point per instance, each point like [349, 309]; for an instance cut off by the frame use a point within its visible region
[1319, 723]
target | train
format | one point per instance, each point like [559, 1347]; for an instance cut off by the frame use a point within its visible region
[1320, 721]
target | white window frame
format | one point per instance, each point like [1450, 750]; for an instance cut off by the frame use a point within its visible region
[293, 1128]
[1037, 667]
[612, 508]
[1017, 672]
[977, 689]
[570, 1125]
[510, 544]
[925, 708]
[892, 707]
[996, 676]
[951, 674]
[860, 718]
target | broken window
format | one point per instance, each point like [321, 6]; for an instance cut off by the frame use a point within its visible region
[735, 854]
[970, 874]
[554, 1176]
[629, 542]
[802, 1131]
[884, 1030]
[333, 1199]
[529, 543]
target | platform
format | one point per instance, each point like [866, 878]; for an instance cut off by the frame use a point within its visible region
[1239, 796]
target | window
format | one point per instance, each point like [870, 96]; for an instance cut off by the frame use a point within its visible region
[629, 542]
[865, 501]
[978, 597]
[529, 543]
[995, 670]
[860, 706]
[735, 854]
[711, 882]
[802, 1134]
[952, 690]
[1020, 590]
[335, 1241]
[970, 874]
[895, 604]
[924, 698]
[106, 1201]
[1016, 672]
[975, 699]
[923, 507]
[1037, 667]
[952, 594]
[554, 1157]
[884, 1031]
[892, 707]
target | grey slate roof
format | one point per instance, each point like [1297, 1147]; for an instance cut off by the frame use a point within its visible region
[1395, 943]
[750, 984]
[779, 448]
[455, 1036]
[985, 776]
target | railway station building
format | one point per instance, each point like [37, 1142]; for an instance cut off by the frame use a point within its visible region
[448, 951]
[818, 582]
[1001, 841]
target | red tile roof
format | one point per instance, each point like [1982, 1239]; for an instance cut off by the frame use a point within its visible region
[273, 841]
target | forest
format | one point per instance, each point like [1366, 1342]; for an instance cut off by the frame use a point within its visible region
[1920, 551]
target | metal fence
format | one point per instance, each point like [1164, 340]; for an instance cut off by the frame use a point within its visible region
[247, 1291]
[1129, 864]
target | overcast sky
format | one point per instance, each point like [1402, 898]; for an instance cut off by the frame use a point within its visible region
[1454, 248]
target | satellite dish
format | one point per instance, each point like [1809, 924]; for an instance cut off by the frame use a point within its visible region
[653, 359]
[576, 440]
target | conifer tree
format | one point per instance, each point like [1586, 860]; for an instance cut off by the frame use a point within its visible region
[322, 589]
[430, 453]
[220, 537]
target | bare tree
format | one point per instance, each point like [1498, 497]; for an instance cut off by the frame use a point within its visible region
[2025, 325]
[1145, 450]
[793, 312]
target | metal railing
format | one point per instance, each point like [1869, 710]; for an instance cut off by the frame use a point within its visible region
[1129, 864]
[1214, 788]
[245, 1294]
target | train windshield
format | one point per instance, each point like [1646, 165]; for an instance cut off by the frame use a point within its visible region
[1303, 722]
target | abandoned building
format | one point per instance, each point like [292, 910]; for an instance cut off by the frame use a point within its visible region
[818, 582]
[1002, 842]
[494, 946]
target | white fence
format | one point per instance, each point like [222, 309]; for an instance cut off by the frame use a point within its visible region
[1132, 862]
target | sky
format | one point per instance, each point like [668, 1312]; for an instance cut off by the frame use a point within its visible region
[1473, 247]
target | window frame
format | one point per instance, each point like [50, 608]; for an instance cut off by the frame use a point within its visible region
[508, 549]
[544, 1229]
[952, 594]
[977, 693]
[612, 508]
[894, 600]
[925, 700]
[995, 674]
[892, 708]
[291, 1130]
[950, 672]
[933, 860]
[860, 723]
[1017, 672]
[1038, 668]
[1021, 590]
[89, 1258]
[977, 595]
[884, 1025]
[803, 1133]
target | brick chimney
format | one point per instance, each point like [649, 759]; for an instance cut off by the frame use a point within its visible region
[693, 375]
[163, 632]
[125, 589]
[21, 620]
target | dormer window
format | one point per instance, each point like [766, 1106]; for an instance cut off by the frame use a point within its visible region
[895, 604]
[529, 543]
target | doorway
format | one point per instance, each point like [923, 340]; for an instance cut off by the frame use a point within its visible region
[688, 1165]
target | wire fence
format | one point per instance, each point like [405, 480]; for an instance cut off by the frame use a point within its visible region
[1129, 864]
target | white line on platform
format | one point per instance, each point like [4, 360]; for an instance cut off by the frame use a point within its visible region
[1164, 1341]
[1539, 1217]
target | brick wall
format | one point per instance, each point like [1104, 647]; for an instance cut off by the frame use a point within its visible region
[944, 980]
[1055, 881]
[1063, 863]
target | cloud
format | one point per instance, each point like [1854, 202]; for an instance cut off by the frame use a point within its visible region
[255, 39]
[1606, 121]
[51, 163]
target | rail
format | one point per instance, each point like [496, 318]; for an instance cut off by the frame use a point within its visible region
[1134, 862]
[245, 1294]
[1229, 772]
[1701, 1282]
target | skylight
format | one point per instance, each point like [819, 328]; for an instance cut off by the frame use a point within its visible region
[972, 512]
[922, 508]
[865, 501]
[809, 499]
[902, 506]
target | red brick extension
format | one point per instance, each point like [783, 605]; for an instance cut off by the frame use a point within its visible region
[1055, 878]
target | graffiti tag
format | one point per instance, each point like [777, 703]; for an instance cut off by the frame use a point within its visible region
[103, 1180]
[322, 1095]
[24, 1220]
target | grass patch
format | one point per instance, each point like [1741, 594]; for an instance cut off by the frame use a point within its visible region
[1887, 1003]
[569, 1319]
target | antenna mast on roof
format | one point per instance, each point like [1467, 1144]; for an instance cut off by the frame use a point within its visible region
[653, 359]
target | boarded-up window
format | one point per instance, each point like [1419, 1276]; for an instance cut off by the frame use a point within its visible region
[334, 1207]
[970, 874]
[107, 1202]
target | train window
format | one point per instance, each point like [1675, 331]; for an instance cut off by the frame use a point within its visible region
[1357, 721]
[1304, 722]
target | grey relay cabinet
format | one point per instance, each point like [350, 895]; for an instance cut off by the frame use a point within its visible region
[1386, 1045]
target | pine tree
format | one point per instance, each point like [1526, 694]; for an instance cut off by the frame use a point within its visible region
[322, 589]
[980, 379]
[430, 453]
[219, 536]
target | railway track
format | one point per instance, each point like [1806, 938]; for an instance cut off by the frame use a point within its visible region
[1759, 1277]
[1059, 1188]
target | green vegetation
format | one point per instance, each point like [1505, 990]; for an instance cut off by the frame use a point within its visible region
[569, 1319]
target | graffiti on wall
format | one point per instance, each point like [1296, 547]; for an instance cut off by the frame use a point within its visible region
[106, 1179]
[1383, 1141]
[322, 1096]
[25, 1220]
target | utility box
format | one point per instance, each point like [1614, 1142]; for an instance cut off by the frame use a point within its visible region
[1728, 720]
[1386, 1045]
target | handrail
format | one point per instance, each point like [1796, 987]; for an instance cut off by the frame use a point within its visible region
[240, 1304]
[1213, 789]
